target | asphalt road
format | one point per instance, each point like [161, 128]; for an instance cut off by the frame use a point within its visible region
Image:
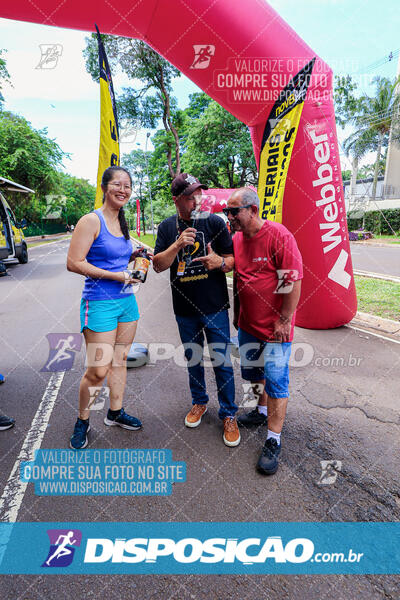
[376, 259]
[343, 406]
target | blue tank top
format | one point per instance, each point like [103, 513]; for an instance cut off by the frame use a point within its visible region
[112, 253]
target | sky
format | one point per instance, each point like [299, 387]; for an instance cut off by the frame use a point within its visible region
[350, 35]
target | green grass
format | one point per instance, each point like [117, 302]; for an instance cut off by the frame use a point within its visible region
[377, 297]
[145, 239]
[40, 242]
[390, 239]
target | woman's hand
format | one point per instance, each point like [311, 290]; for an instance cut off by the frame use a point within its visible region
[122, 277]
[136, 252]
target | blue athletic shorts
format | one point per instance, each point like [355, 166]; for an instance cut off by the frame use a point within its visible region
[265, 360]
[104, 315]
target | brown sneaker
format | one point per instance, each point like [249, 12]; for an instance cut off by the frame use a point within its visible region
[193, 418]
[231, 432]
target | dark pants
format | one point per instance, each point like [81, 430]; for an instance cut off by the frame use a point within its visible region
[216, 328]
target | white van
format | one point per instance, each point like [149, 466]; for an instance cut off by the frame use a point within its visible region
[12, 241]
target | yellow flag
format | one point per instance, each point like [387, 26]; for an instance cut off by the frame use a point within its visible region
[109, 133]
[277, 144]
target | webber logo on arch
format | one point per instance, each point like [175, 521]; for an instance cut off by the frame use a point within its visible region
[330, 205]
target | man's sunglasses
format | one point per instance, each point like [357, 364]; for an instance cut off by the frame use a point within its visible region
[234, 210]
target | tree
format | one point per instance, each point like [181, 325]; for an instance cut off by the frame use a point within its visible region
[347, 106]
[218, 149]
[140, 62]
[371, 117]
[4, 77]
[382, 111]
[356, 146]
[198, 103]
[27, 155]
[368, 170]
[205, 130]
[80, 195]
[346, 103]
[135, 162]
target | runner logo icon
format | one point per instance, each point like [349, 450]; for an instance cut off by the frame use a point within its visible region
[62, 547]
[286, 279]
[50, 53]
[202, 56]
[330, 470]
[63, 347]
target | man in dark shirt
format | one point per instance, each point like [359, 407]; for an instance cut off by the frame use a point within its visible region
[197, 248]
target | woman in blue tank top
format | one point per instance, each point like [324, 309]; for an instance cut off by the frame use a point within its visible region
[100, 250]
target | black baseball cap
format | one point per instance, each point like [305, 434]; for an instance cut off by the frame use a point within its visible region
[185, 184]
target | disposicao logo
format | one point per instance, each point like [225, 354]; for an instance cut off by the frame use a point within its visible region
[189, 550]
[62, 547]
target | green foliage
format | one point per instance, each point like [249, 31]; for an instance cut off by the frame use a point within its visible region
[346, 175]
[368, 170]
[386, 221]
[218, 149]
[372, 118]
[158, 181]
[44, 228]
[27, 155]
[198, 103]
[80, 195]
[74, 196]
[215, 147]
[346, 103]
[4, 76]
[135, 162]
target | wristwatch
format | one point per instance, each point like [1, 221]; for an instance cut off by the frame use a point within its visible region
[223, 264]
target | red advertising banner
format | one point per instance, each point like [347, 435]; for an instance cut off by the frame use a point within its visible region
[138, 217]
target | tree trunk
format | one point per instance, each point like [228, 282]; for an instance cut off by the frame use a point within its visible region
[376, 170]
[353, 182]
[168, 126]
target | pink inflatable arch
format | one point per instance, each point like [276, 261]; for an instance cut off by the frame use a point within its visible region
[243, 54]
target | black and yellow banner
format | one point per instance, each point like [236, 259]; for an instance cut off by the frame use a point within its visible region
[109, 133]
[277, 144]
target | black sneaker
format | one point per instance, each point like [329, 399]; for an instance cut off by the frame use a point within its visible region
[79, 438]
[6, 422]
[252, 419]
[122, 420]
[268, 461]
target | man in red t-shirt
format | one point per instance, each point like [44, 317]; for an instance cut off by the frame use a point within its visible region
[267, 277]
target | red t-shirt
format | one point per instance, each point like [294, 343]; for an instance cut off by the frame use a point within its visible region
[259, 262]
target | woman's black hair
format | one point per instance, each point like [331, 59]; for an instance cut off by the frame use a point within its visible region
[105, 180]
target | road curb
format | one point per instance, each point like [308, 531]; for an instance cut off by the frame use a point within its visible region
[381, 276]
[386, 327]
[374, 244]
[37, 238]
[47, 243]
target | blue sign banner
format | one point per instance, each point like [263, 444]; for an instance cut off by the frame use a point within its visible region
[195, 548]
